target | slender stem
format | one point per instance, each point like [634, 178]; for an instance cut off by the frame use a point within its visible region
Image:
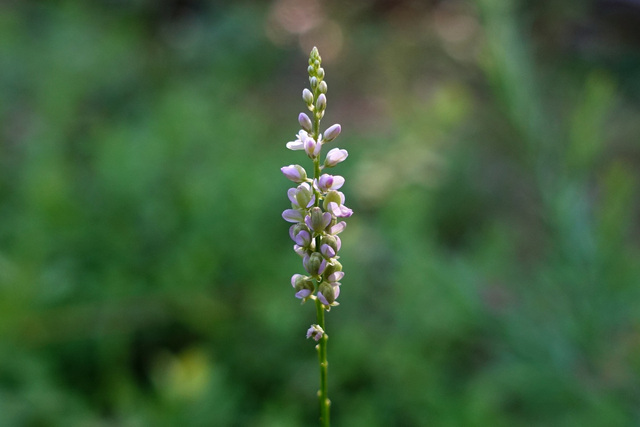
[323, 395]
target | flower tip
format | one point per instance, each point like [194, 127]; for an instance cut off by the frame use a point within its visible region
[305, 122]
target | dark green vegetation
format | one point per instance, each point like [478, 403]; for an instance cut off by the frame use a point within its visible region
[492, 266]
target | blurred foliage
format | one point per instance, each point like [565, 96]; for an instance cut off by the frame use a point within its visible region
[492, 264]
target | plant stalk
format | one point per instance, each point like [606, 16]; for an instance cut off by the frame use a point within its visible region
[323, 395]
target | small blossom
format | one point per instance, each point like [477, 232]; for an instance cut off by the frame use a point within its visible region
[315, 332]
[332, 132]
[295, 173]
[328, 293]
[329, 246]
[314, 263]
[327, 251]
[298, 144]
[335, 156]
[340, 211]
[334, 203]
[317, 220]
[305, 122]
[303, 238]
[303, 285]
[302, 197]
[312, 148]
[328, 182]
[331, 271]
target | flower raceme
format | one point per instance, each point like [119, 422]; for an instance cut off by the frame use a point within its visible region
[317, 206]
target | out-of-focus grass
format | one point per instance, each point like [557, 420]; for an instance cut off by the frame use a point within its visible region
[492, 274]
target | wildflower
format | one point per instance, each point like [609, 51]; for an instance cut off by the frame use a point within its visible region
[315, 332]
[317, 207]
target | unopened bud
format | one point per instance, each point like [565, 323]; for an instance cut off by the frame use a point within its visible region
[305, 122]
[322, 86]
[335, 156]
[307, 96]
[332, 132]
[295, 173]
[321, 103]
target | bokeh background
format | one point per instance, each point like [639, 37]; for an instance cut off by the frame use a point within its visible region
[492, 266]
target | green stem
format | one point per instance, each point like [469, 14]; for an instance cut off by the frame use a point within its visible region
[323, 393]
[322, 359]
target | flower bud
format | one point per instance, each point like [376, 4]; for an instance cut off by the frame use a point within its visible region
[310, 68]
[303, 285]
[321, 103]
[317, 220]
[307, 96]
[314, 263]
[335, 156]
[295, 173]
[305, 122]
[314, 82]
[320, 72]
[322, 86]
[332, 132]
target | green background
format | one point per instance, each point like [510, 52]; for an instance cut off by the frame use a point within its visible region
[492, 263]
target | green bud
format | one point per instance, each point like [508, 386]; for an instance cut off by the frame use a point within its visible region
[322, 86]
[314, 82]
[320, 73]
